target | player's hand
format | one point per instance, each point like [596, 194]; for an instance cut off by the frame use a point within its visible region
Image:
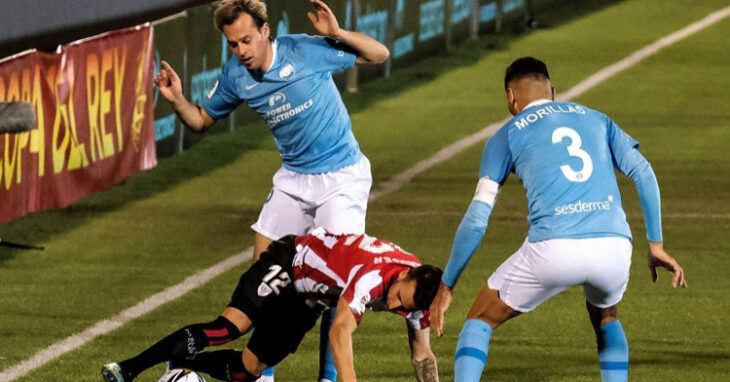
[660, 258]
[169, 83]
[324, 21]
[438, 309]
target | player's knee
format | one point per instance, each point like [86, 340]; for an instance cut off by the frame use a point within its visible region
[238, 318]
[261, 243]
[490, 319]
[251, 363]
[601, 316]
[491, 309]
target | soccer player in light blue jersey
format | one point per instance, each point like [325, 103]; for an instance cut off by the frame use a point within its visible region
[565, 155]
[325, 179]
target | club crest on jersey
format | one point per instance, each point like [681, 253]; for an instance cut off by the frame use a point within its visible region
[277, 99]
[212, 90]
[287, 72]
[264, 290]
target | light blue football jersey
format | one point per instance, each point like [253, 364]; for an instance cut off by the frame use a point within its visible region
[299, 101]
[565, 154]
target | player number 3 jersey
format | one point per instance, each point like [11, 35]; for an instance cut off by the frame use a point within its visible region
[565, 155]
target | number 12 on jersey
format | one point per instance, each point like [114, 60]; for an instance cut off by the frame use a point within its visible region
[276, 278]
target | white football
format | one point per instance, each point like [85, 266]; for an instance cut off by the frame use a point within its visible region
[181, 375]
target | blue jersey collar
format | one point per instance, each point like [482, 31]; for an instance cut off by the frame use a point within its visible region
[273, 59]
[536, 103]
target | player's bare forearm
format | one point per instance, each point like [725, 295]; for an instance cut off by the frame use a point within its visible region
[369, 50]
[426, 370]
[341, 341]
[193, 116]
[422, 358]
[170, 87]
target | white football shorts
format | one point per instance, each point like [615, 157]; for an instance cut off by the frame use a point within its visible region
[298, 203]
[538, 271]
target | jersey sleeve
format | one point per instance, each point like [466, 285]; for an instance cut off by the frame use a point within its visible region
[628, 160]
[497, 162]
[418, 319]
[365, 286]
[638, 169]
[327, 55]
[222, 99]
[619, 142]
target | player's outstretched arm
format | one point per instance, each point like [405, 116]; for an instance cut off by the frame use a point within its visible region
[170, 86]
[422, 358]
[341, 341]
[638, 169]
[660, 258]
[495, 168]
[369, 50]
[466, 241]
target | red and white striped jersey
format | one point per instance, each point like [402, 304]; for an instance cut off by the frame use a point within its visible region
[358, 268]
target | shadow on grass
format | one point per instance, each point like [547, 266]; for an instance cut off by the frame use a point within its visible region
[690, 358]
[223, 148]
[215, 151]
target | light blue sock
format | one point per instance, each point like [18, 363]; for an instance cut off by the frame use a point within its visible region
[471, 351]
[268, 372]
[327, 369]
[613, 352]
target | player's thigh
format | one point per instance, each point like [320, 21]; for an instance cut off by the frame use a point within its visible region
[282, 214]
[345, 203]
[608, 275]
[342, 214]
[491, 309]
[533, 274]
[267, 282]
[282, 329]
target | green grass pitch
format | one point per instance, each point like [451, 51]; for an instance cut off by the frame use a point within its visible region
[113, 249]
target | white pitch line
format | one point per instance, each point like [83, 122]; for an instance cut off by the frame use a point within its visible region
[153, 302]
[449, 151]
[497, 215]
[106, 326]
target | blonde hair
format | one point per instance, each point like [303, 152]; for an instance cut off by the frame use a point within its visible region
[227, 12]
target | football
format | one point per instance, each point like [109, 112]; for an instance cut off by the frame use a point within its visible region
[181, 375]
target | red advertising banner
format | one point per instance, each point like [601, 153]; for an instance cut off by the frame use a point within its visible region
[94, 103]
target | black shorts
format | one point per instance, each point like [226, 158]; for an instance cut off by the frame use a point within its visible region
[266, 294]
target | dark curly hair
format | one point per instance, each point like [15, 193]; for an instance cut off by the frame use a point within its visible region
[428, 279]
[525, 67]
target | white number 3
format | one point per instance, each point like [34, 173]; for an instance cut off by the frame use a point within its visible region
[575, 151]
